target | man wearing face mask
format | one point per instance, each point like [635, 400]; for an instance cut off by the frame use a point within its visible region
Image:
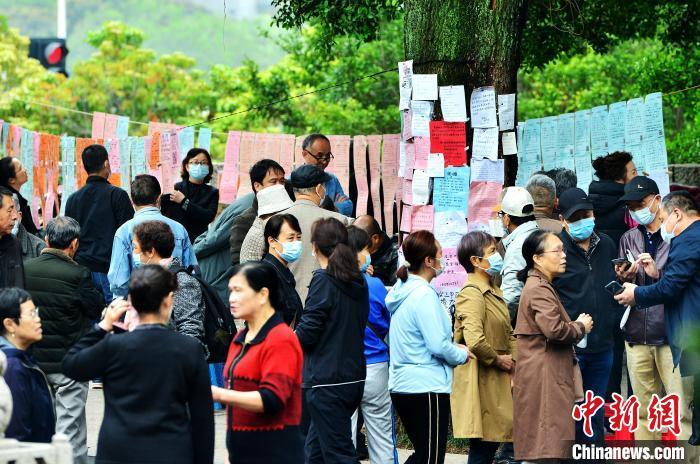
[308, 182]
[581, 289]
[677, 288]
[649, 359]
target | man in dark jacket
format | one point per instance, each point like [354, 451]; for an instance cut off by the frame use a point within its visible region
[29, 244]
[68, 299]
[649, 359]
[265, 173]
[11, 269]
[383, 251]
[678, 289]
[581, 289]
[100, 208]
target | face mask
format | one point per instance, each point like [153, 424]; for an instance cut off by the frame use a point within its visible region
[15, 228]
[665, 235]
[442, 267]
[291, 251]
[199, 171]
[321, 198]
[582, 229]
[495, 264]
[366, 264]
[644, 216]
[136, 257]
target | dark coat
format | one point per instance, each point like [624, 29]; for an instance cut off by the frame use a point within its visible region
[30, 244]
[68, 302]
[610, 215]
[25, 209]
[11, 267]
[290, 305]
[384, 261]
[332, 330]
[582, 290]
[158, 405]
[100, 208]
[239, 230]
[200, 210]
[33, 416]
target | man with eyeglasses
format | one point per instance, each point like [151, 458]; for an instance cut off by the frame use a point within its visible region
[316, 150]
[581, 288]
[11, 269]
[69, 302]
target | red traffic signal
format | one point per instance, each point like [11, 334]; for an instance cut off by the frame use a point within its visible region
[50, 52]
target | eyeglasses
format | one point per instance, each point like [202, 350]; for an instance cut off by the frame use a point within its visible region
[34, 314]
[559, 251]
[501, 214]
[321, 157]
[198, 163]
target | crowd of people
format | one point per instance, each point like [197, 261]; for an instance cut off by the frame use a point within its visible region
[334, 331]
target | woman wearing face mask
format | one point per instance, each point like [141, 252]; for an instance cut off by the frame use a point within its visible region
[422, 352]
[263, 374]
[193, 203]
[158, 403]
[283, 246]
[376, 402]
[482, 402]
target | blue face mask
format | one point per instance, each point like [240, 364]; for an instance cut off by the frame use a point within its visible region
[495, 264]
[366, 264]
[291, 251]
[582, 229]
[136, 258]
[644, 216]
[198, 171]
[667, 236]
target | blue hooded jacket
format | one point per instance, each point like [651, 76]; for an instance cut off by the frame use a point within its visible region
[420, 338]
[33, 418]
[376, 350]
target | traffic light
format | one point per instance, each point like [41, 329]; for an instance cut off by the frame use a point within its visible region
[50, 52]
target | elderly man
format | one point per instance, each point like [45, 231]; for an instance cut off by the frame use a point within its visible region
[383, 251]
[68, 301]
[11, 269]
[316, 150]
[678, 289]
[544, 195]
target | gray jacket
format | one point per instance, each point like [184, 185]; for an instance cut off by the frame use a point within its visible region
[30, 244]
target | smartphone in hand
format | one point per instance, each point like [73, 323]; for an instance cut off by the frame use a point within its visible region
[614, 287]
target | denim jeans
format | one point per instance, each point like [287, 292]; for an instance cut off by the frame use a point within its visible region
[102, 283]
[595, 370]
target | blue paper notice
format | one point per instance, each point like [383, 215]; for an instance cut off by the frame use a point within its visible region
[565, 141]
[599, 131]
[138, 156]
[204, 139]
[548, 140]
[617, 117]
[451, 193]
[186, 137]
[582, 149]
[655, 156]
[122, 127]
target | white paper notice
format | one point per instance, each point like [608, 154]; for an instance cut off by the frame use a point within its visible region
[510, 147]
[420, 117]
[453, 103]
[486, 170]
[485, 143]
[450, 227]
[420, 187]
[436, 165]
[425, 87]
[483, 107]
[405, 84]
[506, 111]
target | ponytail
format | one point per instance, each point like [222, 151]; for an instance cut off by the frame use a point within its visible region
[342, 264]
[402, 273]
[330, 237]
[533, 245]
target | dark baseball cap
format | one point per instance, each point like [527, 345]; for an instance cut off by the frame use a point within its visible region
[308, 175]
[572, 200]
[639, 188]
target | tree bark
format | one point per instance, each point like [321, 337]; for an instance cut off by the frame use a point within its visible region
[469, 42]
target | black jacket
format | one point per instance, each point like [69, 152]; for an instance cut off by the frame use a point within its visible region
[26, 211]
[609, 214]
[158, 405]
[582, 290]
[332, 331]
[384, 261]
[11, 267]
[68, 302]
[100, 208]
[239, 229]
[290, 305]
[200, 210]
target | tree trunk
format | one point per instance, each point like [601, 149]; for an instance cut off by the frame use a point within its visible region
[470, 42]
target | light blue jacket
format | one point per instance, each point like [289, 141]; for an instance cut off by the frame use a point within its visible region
[122, 264]
[420, 339]
[334, 190]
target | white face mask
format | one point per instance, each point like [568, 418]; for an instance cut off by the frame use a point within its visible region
[15, 228]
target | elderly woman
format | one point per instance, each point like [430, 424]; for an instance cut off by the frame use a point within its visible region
[482, 403]
[33, 418]
[13, 176]
[544, 387]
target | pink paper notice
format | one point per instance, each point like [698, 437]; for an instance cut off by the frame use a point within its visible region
[454, 274]
[390, 181]
[422, 218]
[359, 149]
[287, 142]
[340, 165]
[422, 149]
[229, 176]
[406, 217]
[483, 198]
[110, 126]
[98, 125]
[374, 143]
[246, 158]
[115, 163]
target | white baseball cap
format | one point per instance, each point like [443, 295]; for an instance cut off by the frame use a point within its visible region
[273, 199]
[516, 202]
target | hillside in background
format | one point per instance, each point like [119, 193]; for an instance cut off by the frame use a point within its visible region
[170, 26]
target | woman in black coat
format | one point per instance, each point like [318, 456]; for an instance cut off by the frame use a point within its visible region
[158, 403]
[283, 246]
[13, 176]
[193, 203]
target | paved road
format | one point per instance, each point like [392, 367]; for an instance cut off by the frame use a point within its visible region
[95, 408]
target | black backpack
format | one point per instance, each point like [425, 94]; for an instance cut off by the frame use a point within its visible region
[219, 328]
